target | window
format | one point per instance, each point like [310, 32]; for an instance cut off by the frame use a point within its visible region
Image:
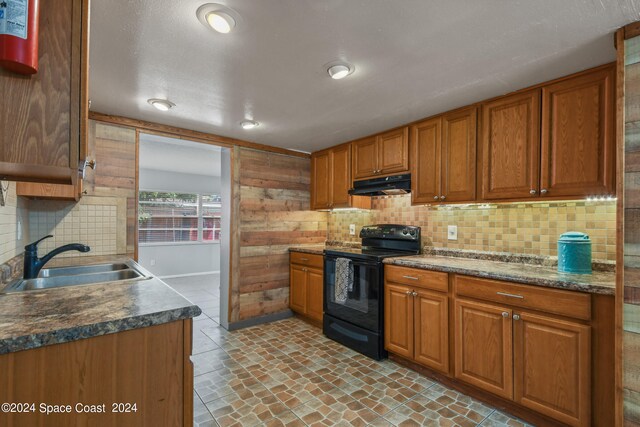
[178, 217]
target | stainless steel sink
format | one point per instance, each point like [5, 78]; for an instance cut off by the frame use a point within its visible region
[80, 275]
[81, 269]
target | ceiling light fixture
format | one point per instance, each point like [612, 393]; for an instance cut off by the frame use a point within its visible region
[217, 17]
[339, 70]
[249, 124]
[161, 104]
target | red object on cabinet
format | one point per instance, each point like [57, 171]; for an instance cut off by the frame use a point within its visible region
[19, 35]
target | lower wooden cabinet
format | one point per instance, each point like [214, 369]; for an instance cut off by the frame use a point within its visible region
[484, 346]
[526, 344]
[537, 360]
[149, 367]
[306, 284]
[417, 319]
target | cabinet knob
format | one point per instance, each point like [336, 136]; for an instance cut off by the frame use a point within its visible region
[435, 197]
[505, 314]
[532, 191]
[543, 191]
[408, 292]
[414, 293]
[442, 197]
[516, 317]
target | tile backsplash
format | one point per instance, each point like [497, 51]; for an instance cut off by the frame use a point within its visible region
[99, 222]
[529, 228]
[14, 210]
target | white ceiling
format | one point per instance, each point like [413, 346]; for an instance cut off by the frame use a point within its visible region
[413, 58]
[176, 155]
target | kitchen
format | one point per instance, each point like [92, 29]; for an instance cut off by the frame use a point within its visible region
[390, 220]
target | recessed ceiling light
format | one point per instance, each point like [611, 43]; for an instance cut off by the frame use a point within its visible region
[217, 17]
[339, 69]
[161, 104]
[249, 124]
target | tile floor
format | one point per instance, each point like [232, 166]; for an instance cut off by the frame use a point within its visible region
[287, 373]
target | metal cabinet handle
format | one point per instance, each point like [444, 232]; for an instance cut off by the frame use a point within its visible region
[304, 259]
[505, 314]
[435, 197]
[408, 292]
[414, 293]
[410, 277]
[442, 197]
[543, 191]
[532, 191]
[504, 294]
[516, 317]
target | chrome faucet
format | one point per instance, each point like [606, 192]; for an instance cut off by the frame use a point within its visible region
[33, 264]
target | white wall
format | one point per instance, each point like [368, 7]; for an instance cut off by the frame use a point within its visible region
[159, 180]
[13, 212]
[176, 260]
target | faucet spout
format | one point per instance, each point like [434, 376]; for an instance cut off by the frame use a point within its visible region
[33, 264]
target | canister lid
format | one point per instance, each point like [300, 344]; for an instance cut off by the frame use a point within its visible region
[574, 236]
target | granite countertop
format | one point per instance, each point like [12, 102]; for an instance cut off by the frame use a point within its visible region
[310, 249]
[52, 316]
[599, 282]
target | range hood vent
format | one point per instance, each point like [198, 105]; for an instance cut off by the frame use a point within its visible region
[383, 186]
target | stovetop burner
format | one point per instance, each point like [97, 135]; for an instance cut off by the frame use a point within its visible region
[383, 241]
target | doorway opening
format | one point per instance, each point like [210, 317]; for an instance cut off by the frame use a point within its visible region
[180, 219]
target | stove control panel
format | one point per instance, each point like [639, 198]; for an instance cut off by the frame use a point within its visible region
[390, 231]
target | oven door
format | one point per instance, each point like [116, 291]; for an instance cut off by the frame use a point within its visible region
[362, 305]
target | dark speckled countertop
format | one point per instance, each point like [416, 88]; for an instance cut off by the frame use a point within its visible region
[599, 282]
[38, 318]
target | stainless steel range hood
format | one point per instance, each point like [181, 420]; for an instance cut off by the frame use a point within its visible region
[388, 185]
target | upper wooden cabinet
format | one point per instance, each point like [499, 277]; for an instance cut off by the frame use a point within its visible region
[443, 157]
[331, 180]
[510, 146]
[383, 154]
[43, 118]
[578, 140]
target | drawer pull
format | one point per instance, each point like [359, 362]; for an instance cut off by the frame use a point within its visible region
[505, 314]
[411, 277]
[504, 294]
[516, 317]
[304, 259]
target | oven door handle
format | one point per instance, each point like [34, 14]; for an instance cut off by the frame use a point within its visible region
[354, 262]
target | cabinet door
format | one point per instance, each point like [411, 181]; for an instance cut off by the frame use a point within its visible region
[484, 347]
[297, 288]
[314, 293]
[553, 367]
[365, 158]
[425, 161]
[431, 317]
[320, 177]
[341, 176]
[393, 151]
[398, 320]
[459, 156]
[510, 146]
[42, 121]
[578, 141]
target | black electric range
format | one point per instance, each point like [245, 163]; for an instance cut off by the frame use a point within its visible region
[354, 286]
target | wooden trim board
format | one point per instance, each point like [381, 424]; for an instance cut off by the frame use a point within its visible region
[192, 135]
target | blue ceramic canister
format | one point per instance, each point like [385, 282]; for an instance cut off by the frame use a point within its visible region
[574, 253]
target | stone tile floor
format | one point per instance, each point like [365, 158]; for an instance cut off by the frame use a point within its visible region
[287, 373]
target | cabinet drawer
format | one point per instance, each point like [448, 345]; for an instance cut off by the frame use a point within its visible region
[434, 280]
[308, 260]
[564, 303]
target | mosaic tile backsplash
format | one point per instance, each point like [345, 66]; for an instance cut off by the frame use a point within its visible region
[95, 221]
[529, 228]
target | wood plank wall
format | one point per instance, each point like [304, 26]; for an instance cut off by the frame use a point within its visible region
[114, 147]
[274, 215]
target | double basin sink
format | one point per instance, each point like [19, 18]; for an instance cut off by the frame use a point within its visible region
[79, 275]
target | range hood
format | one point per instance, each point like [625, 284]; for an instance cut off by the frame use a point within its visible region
[383, 186]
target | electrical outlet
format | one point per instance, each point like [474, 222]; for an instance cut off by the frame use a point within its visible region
[352, 229]
[152, 262]
[452, 232]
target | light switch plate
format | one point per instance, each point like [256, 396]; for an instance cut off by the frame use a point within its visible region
[452, 232]
[352, 229]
